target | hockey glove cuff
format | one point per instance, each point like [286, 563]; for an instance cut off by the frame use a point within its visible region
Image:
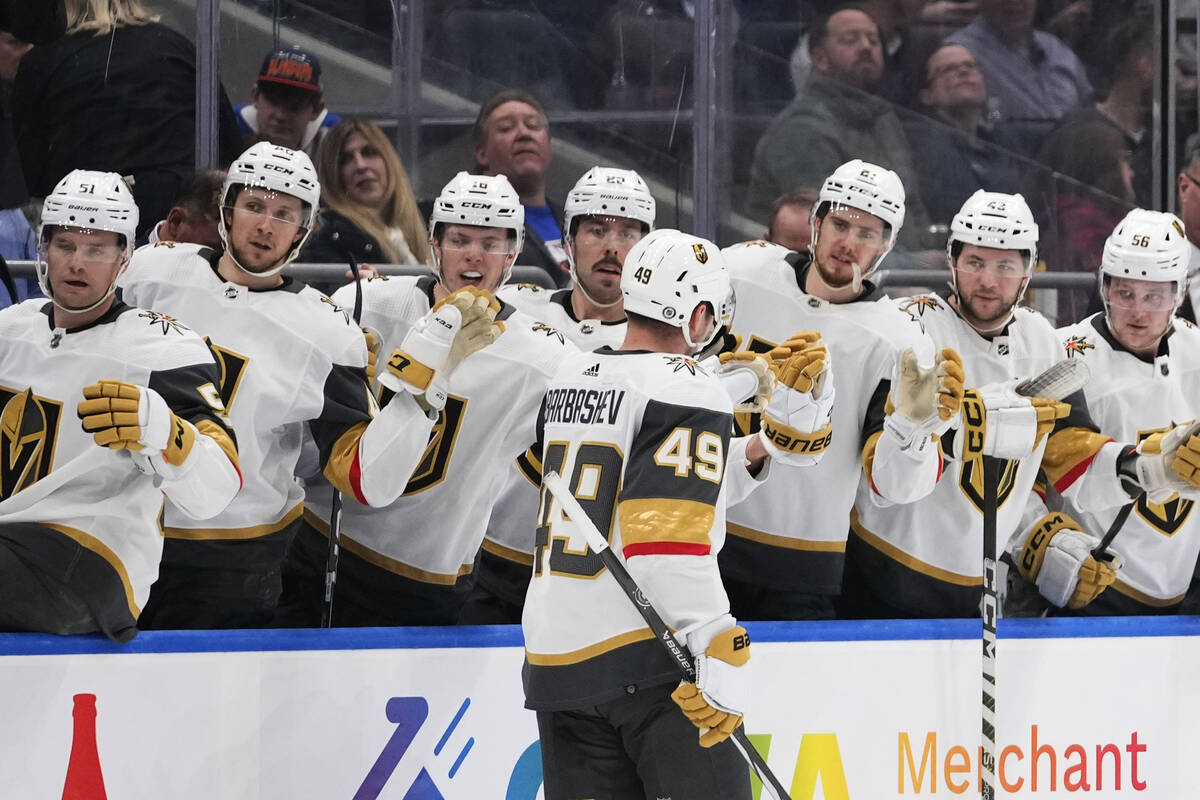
[1168, 463]
[125, 416]
[1057, 557]
[715, 703]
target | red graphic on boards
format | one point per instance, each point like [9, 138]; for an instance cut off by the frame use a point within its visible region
[84, 779]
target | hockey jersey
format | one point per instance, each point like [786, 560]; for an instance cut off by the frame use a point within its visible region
[1131, 398]
[641, 439]
[432, 532]
[926, 557]
[289, 358]
[792, 535]
[507, 551]
[98, 512]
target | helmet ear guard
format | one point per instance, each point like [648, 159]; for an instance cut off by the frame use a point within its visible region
[93, 200]
[485, 201]
[273, 168]
[669, 273]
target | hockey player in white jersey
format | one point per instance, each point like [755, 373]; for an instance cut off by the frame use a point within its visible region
[411, 563]
[606, 213]
[642, 438]
[784, 555]
[292, 363]
[80, 504]
[924, 558]
[1145, 363]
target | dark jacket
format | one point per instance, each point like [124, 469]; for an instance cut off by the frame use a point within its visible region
[337, 240]
[122, 102]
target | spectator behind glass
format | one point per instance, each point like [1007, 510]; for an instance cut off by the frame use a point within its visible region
[1189, 212]
[117, 93]
[1033, 77]
[370, 212]
[834, 119]
[512, 138]
[955, 151]
[906, 44]
[194, 212]
[790, 225]
[287, 105]
[1127, 77]
[1088, 190]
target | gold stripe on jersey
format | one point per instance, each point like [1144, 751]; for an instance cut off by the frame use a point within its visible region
[98, 547]
[530, 465]
[218, 435]
[591, 651]
[1142, 597]
[868, 454]
[253, 532]
[341, 459]
[399, 567]
[662, 519]
[915, 564]
[1068, 452]
[507, 553]
[810, 545]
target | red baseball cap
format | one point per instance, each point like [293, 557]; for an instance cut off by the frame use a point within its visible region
[292, 66]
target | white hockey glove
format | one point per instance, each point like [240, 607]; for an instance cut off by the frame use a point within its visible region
[796, 427]
[1168, 463]
[1057, 557]
[717, 700]
[747, 378]
[1000, 423]
[124, 416]
[924, 402]
[456, 327]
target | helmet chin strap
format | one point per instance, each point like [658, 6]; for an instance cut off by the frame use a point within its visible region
[579, 284]
[287, 259]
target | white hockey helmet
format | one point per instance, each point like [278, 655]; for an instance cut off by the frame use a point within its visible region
[999, 221]
[277, 169]
[1147, 246]
[87, 199]
[609, 192]
[668, 273]
[486, 201]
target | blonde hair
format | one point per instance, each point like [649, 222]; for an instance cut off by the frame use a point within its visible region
[102, 16]
[400, 204]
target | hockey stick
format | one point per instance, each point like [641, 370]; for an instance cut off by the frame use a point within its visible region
[1100, 551]
[677, 649]
[335, 508]
[1055, 383]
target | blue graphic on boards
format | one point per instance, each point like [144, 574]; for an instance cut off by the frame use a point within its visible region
[409, 714]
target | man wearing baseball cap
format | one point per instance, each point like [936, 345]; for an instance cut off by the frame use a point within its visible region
[286, 104]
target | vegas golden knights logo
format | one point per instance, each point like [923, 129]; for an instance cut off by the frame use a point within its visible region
[1168, 517]
[28, 431]
[233, 369]
[701, 253]
[970, 481]
[436, 460]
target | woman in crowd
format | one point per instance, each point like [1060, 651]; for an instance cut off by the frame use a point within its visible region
[370, 212]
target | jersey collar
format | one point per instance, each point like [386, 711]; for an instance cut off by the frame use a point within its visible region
[1101, 326]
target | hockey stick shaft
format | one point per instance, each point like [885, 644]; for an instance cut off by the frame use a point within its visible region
[335, 509]
[1100, 551]
[677, 649]
[991, 610]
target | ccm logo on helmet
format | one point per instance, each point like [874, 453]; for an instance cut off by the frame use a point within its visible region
[469, 204]
[279, 168]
